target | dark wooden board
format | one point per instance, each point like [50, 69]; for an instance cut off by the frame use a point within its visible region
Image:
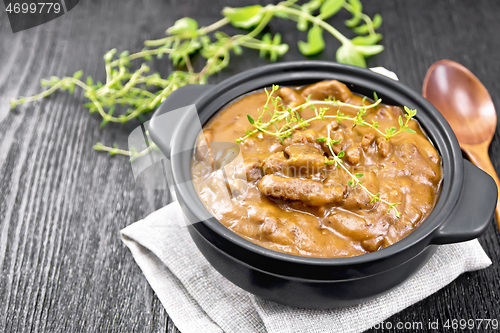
[63, 265]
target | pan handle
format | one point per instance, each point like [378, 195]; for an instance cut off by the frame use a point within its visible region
[473, 211]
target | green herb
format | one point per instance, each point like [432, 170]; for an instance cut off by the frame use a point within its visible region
[134, 154]
[375, 198]
[403, 126]
[130, 92]
[294, 121]
[250, 119]
[315, 42]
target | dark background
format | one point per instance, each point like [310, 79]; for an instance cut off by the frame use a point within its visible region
[63, 266]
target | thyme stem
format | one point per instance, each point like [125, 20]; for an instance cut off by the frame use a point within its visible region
[315, 20]
[262, 127]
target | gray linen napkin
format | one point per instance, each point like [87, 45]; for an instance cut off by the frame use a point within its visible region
[199, 299]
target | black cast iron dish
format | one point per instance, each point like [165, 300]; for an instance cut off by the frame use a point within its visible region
[463, 211]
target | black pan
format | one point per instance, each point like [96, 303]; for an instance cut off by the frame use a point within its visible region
[465, 206]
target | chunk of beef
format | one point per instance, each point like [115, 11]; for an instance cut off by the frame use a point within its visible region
[353, 154]
[367, 140]
[384, 146]
[276, 163]
[415, 164]
[290, 97]
[269, 225]
[325, 89]
[334, 125]
[303, 136]
[253, 169]
[336, 176]
[353, 226]
[305, 159]
[373, 244]
[203, 145]
[310, 192]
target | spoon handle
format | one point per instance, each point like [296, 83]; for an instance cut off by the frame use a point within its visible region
[478, 155]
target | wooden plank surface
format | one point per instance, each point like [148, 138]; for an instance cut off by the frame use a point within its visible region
[63, 265]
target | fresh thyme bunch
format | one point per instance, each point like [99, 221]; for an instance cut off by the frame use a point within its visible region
[129, 92]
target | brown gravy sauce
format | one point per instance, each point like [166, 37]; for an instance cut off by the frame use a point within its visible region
[296, 204]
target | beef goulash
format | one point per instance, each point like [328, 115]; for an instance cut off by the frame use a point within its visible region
[332, 187]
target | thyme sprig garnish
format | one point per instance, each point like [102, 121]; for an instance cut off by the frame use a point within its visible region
[294, 121]
[130, 92]
[403, 126]
[354, 181]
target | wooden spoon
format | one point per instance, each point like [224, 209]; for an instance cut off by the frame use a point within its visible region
[467, 106]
